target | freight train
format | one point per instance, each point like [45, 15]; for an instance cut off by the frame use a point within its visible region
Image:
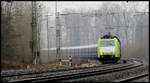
[82, 52]
[108, 50]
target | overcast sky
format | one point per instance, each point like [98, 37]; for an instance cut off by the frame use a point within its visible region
[89, 5]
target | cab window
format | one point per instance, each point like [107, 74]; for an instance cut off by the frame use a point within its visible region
[106, 43]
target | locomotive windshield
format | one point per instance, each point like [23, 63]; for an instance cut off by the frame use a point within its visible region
[106, 43]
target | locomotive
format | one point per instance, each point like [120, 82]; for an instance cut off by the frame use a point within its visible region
[109, 49]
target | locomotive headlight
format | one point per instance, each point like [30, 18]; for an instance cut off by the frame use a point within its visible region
[101, 53]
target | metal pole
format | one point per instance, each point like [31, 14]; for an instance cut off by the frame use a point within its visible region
[39, 31]
[57, 33]
[56, 28]
[34, 31]
[47, 36]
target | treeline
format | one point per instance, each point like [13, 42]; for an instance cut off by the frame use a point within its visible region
[16, 31]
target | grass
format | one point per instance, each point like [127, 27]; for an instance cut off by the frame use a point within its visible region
[6, 65]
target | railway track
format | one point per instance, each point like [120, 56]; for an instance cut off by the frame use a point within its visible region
[39, 71]
[129, 79]
[72, 73]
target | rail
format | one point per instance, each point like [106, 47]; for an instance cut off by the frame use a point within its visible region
[73, 72]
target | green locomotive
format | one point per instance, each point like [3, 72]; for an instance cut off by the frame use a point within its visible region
[109, 49]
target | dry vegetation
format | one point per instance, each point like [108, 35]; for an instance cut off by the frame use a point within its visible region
[15, 34]
[6, 65]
